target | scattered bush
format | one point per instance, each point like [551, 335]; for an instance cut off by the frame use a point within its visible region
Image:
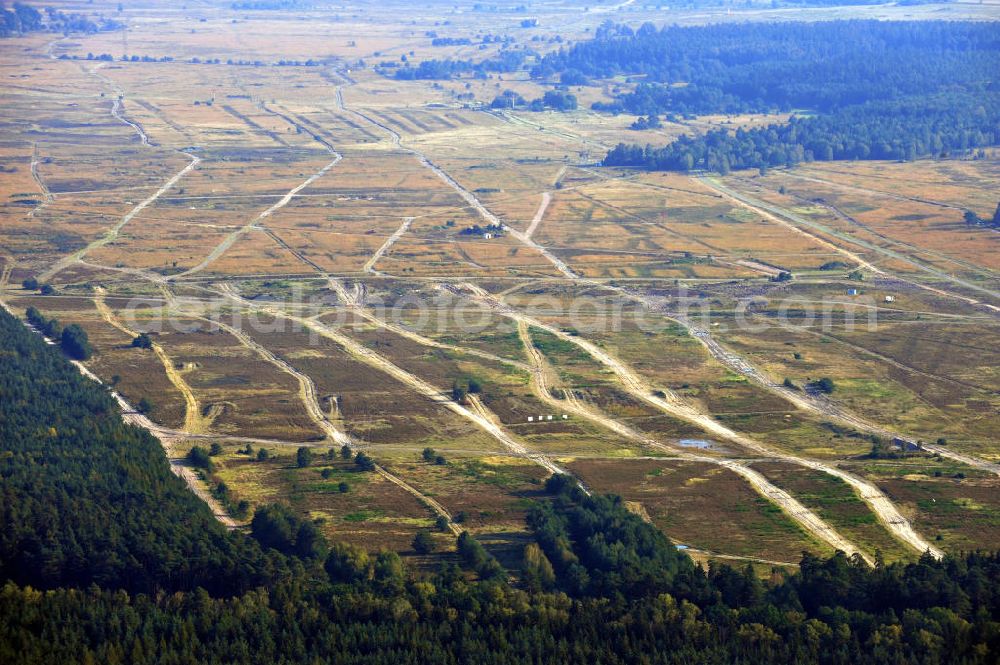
[423, 543]
[198, 457]
[143, 341]
[364, 462]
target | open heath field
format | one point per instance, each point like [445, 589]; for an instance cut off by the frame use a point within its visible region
[280, 232]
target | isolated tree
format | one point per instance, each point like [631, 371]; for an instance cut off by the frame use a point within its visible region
[303, 457]
[825, 385]
[423, 543]
[343, 488]
[428, 454]
[882, 450]
[995, 223]
[199, 457]
[143, 341]
[75, 342]
[345, 452]
[31, 284]
[215, 449]
[48, 290]
[263, 454]
[364, 462]
[971, 218]
[458, 393]
[144, 406]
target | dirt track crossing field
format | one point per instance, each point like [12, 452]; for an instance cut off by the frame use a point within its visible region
[332, 202]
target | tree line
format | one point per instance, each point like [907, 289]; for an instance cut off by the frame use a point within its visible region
[558, 100]
[863, 89]
[73, 339]
[135, 569]
[19, 19]
[22, 18]
[898, 130]
[759, 67]
[507, 60]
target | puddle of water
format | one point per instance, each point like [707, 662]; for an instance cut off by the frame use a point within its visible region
[696, 443]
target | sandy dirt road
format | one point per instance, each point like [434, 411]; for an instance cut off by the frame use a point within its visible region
[47, 196]
[664, 400]
[255, 223]
[809, 521]
[194, 423]
[377, 361]
[539, 214]
[112, 234]
[167, 438]
[390, 241]
[795, 222]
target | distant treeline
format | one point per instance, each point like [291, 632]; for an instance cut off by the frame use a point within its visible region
[898, 129]
[451, 41]
[504, 61]
[136, 570]
[20, 19]
[760, 67]
[23, 18]
[872, 89]
[558, 100]
[268, 4]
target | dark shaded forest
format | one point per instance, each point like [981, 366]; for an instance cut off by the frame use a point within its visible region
[106, 557]
[864, 89]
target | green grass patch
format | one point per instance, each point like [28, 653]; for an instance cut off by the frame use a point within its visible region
[491, 475]
[362, 516]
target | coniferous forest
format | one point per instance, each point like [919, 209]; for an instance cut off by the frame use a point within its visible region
[861, 89]
[106, 557]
